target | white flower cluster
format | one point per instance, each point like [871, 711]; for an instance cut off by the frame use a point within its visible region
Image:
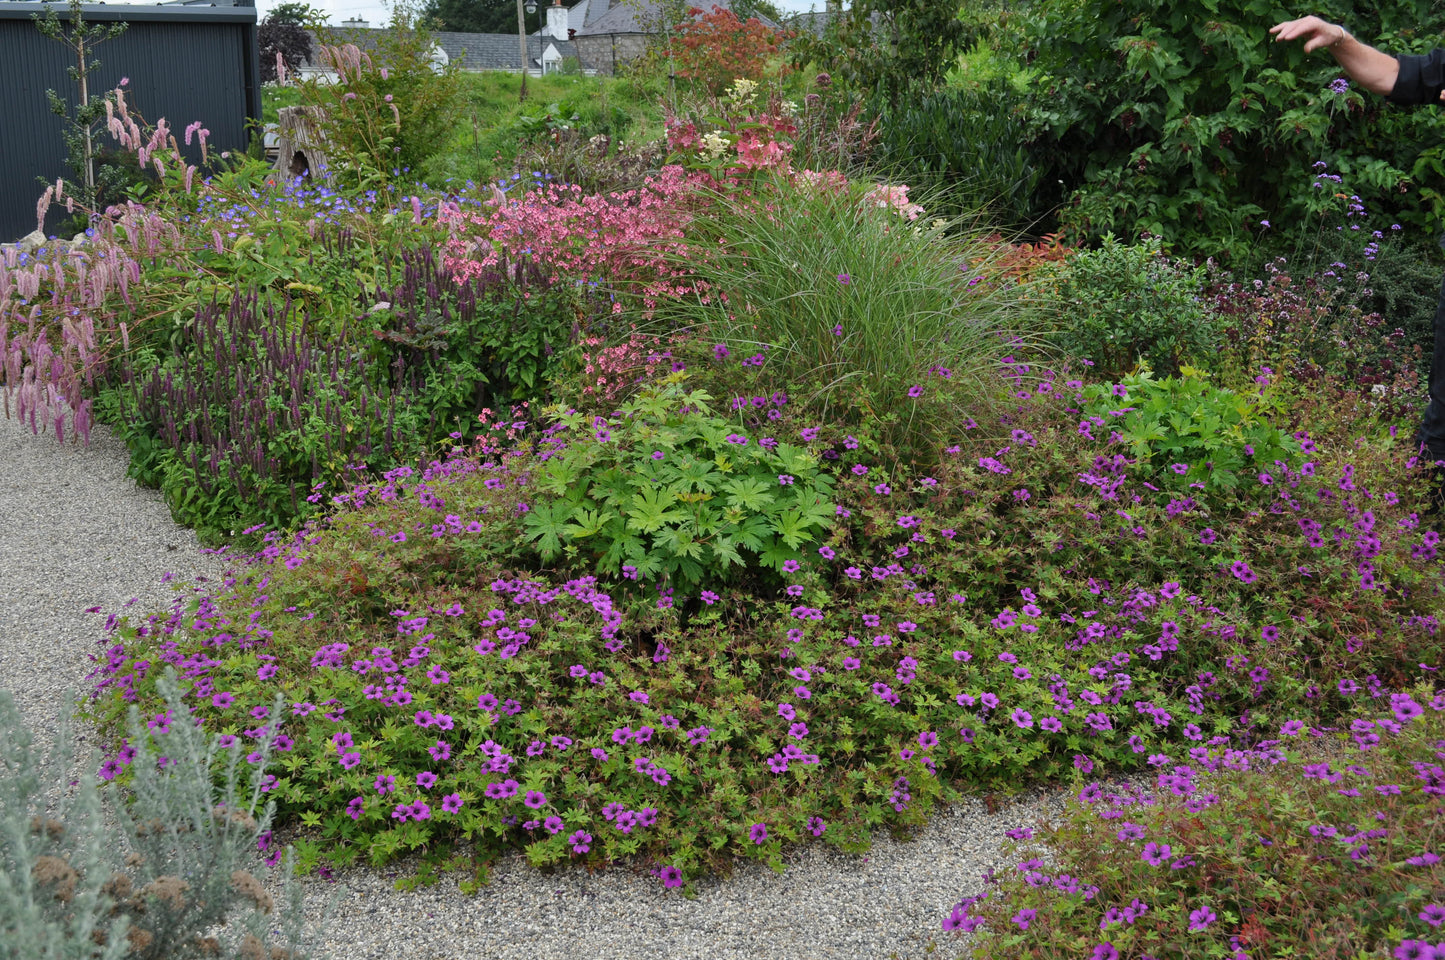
[742, 91]
[713, 146]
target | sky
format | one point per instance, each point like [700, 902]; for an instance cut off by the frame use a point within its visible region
[376, 14]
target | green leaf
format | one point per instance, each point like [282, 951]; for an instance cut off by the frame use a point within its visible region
[545, 523]
[586, 523]
[651, 509]
[748, 493]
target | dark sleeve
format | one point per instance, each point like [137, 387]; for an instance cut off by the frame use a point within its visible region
[1421, 79]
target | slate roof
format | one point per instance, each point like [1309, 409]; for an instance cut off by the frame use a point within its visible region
[498, 51]
[588, 18]
[632, 18]
[468, 51]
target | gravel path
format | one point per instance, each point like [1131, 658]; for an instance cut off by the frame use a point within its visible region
[76, 533]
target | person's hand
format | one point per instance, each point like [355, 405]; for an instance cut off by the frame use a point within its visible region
[1315, 32]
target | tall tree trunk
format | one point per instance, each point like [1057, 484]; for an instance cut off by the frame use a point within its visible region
[89, 142]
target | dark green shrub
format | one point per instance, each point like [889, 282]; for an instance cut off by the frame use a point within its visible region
[969, 143]
[1126, 303]
[893, 47]
[1193, 126]
[1404, 289]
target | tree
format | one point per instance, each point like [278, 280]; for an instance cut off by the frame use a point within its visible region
[280, 33]
[294, 14]
[747, 9]
[479, 16]
[717, 48]
[80, 40]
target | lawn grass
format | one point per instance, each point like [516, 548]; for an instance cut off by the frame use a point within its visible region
[493, 123]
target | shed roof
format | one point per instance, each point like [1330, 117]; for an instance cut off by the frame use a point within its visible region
[215, 12]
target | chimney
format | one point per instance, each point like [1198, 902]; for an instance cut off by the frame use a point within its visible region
[355, 23]
[556, 21]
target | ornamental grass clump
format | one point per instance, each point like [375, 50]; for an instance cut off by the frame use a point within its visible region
[1321, 842]
[1021, 609]
[176, 876]
[857, 296]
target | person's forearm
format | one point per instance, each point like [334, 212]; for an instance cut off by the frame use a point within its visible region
[1371, 69]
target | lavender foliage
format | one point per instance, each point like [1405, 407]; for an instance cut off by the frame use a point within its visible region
[172, 862]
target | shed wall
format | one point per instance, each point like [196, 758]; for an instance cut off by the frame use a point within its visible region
[180, 69]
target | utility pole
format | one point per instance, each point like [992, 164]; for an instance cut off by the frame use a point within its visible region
[522, 39]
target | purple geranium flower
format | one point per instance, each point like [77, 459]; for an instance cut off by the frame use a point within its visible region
[1155, 853]
[1130, 831]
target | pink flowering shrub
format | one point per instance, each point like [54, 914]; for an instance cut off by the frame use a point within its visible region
[893, 197]
[608, 373]
[64, 312]
[821, 181]
[631, 241]
[735, 134]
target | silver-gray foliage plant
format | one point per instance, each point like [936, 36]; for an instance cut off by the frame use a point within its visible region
[169, 873]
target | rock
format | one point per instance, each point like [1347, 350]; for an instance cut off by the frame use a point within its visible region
[27, 244]
[31, 242]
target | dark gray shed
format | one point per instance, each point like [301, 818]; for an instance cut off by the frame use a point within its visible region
[185, 62]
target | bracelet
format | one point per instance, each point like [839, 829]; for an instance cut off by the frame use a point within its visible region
[1343, 36]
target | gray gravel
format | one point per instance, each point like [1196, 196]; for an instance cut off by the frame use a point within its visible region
[76, 533]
